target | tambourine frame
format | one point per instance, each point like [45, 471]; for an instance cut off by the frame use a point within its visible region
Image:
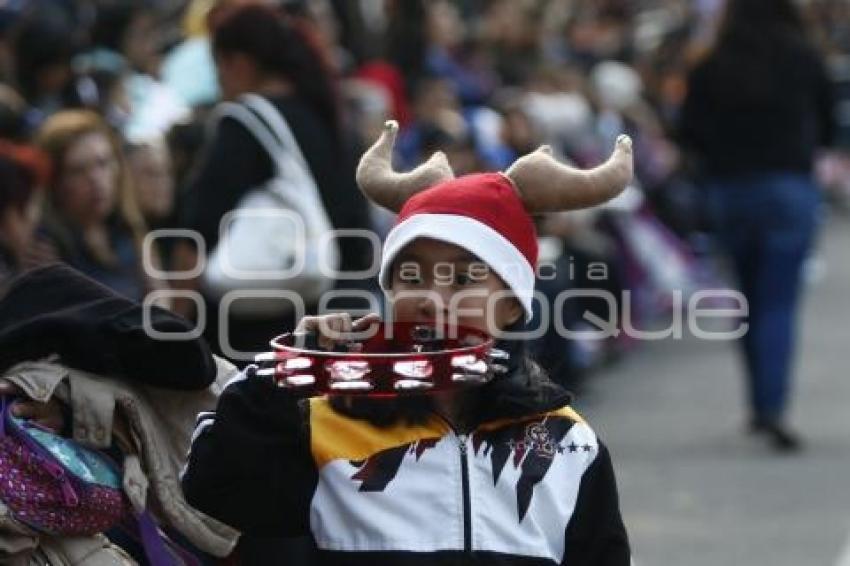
[374, 369]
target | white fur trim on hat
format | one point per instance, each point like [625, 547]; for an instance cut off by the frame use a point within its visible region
[476, 237]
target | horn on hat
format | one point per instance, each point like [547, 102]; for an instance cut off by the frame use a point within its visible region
[548, 186]
[378, 181]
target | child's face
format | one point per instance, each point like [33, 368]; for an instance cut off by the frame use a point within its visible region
[433, 280]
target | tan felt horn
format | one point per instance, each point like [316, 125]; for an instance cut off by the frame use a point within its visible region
[544, 184]
[378, 181]
[548, 186]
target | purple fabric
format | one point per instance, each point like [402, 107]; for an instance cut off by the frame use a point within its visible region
[40, 492]
[155, 550]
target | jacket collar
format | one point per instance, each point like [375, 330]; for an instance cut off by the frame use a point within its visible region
[523, 391]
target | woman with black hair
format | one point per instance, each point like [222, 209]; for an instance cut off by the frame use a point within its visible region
[757, 108]
[259, 50]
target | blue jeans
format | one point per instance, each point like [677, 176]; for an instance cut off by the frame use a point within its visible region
[767, 224]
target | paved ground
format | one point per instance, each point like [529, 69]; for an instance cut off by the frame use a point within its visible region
[698, 491]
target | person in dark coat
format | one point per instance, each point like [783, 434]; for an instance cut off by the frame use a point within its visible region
[259, 50]
[758, 106]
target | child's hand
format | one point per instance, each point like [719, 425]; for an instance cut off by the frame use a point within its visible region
[334, 328]
[48, 415]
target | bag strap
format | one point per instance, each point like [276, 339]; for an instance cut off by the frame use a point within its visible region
[277, 124]
[270, 129]
[273, 147]
[293, 164]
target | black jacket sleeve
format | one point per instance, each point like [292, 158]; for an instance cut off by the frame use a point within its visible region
[596, 535]
[250, 464]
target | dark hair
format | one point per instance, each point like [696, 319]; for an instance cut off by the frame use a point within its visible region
[44, 39]
[13, 124]
[752, 34]
[406, 44]
[113, 19]
[23, 169]
[758, 22]
[280, 45]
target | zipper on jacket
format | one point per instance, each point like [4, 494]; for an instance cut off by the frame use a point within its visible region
[464, 478]
[467, 509]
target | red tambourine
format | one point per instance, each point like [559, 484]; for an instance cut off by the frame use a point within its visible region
[398, 358]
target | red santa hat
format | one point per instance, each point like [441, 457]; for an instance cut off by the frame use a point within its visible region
[487, 214]
[480, 213]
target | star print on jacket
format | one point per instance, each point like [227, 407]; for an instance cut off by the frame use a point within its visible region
[533, 446]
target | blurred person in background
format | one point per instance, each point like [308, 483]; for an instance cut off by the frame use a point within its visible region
[152, 179]
[511, 34]
[259, 50]
[519, 134]
[598, 30]
[122, 64]
[44, 44]
[405, 40]
[451, 135]
[427, 38]
[9, 14]
[449, 55]
[434, 105]
[23, 173]
[91, 216]
[557, 103]
[128, 28]
[757, 108]
[12, 110]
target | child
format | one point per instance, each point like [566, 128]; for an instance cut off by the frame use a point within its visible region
[504, 473]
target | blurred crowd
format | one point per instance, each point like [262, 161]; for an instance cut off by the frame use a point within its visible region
[105, 109]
